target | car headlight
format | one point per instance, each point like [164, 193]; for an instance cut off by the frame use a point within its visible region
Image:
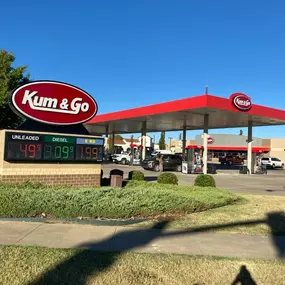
[150, 164]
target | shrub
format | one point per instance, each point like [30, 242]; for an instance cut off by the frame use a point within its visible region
[205, 180]
[136, 175]
[167, 178]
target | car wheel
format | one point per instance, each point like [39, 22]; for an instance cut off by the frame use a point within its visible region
[124, 161]
[156, 168]
[273, 165]
[179, 168]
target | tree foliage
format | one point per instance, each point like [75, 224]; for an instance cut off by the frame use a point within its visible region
[180, 137]
[110, 141]
[240, 132]
[10, 78]
[161, 142]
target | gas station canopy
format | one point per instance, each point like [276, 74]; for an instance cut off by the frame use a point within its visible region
[188, 113]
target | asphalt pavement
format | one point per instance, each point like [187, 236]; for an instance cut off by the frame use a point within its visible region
[271, 184]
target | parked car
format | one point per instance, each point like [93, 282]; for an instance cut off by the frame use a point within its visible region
[170, 162]
[272, 162]
[123, 158]
[161, 151]
[231, 159]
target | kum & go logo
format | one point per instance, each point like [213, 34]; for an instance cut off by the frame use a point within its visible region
[53, 102]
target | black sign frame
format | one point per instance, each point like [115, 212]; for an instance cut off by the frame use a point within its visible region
[95, 148]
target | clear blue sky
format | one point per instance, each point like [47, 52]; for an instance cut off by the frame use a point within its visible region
[138, 52]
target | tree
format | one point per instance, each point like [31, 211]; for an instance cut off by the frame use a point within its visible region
[161, 142]
[110, 141]
[180, 137]
[10, 78]
[240, 132]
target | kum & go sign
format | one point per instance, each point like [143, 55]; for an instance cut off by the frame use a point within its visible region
[241, 101]
[53, 102]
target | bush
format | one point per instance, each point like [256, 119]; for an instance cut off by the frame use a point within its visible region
[136, 175]
[167, 178]
[205, 180]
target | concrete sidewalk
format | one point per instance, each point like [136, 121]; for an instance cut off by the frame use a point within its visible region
[106, 238]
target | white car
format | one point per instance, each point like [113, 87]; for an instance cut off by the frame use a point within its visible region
[272, 162]
[123, 158]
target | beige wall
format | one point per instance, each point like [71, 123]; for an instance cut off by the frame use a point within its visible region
[277, 147]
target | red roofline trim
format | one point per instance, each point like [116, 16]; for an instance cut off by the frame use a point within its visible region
[202, 101]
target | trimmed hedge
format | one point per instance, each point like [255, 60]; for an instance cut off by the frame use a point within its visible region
[205, 180]
[167, 178]
[136, 175]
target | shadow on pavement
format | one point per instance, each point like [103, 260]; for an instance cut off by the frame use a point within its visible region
[86, 262]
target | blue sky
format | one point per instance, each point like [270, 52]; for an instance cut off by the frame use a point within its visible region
[139, 52]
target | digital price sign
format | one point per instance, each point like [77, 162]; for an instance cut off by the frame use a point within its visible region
[52, 148]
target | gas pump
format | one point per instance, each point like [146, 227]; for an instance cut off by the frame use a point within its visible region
[193, 163]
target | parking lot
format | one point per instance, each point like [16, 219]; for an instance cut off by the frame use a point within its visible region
[271, 184]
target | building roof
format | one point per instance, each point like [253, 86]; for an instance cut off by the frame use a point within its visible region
[134, 140]
[171, 116]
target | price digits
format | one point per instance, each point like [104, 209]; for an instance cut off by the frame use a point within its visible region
[58, 152]
[30, 150]
[89, 152]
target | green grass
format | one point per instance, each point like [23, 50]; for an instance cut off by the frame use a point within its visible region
[137, 199]
[248, 209]
[44, 266]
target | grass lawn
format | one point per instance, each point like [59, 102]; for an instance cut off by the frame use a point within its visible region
[39, 266]
[137, 199]
[251, 207]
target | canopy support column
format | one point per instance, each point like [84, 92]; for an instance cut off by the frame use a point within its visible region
[113, 142]
[205, 144]
[184, 143]
[143, 140]
[249, 148]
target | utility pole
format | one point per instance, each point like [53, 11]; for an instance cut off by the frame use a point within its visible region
[206, 90]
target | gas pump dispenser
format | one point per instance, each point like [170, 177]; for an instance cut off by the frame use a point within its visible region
[193, 162]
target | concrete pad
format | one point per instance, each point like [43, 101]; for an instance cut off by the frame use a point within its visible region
[137, 239]
[236, 245]
[67, 235]
[11, 233]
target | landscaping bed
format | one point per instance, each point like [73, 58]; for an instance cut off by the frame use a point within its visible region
[136, 199]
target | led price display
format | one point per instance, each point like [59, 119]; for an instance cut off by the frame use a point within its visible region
[38, 147]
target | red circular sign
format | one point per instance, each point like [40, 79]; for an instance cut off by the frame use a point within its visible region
[210, 140]
[53, 102]
[241, 101]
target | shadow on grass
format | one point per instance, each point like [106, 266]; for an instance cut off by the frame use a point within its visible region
[244, 277]
[86, 262]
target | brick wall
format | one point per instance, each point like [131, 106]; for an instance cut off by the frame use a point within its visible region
[48, 173]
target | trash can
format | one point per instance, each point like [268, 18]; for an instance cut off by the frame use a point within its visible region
[116, 181]
[212, 169]
[243, 170]
[116, 178]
